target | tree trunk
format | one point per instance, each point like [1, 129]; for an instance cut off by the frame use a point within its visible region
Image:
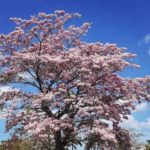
[58, 142]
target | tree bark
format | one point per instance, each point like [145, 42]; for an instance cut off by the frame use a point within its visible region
[58, 142]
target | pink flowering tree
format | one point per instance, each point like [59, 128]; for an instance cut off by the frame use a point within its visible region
[77, 92]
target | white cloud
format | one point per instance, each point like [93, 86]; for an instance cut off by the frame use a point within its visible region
[5, 89]
[4, 112]
[131, 123]
[149, 50]
[146, 124]
[135, 124]
[146, 39]
[24, 76]
[141, 107]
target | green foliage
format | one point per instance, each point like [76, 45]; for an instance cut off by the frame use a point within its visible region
[16, 145]
[148, 145]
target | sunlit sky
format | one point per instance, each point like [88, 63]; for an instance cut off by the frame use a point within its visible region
[126, 23]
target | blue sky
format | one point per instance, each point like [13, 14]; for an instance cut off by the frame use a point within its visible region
[126, 23]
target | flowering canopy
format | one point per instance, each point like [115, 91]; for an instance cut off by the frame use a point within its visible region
[79, 92]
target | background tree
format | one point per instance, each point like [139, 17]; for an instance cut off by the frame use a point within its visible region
[148, 145]
[136, 139]
[16, 145]
[76, 92]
